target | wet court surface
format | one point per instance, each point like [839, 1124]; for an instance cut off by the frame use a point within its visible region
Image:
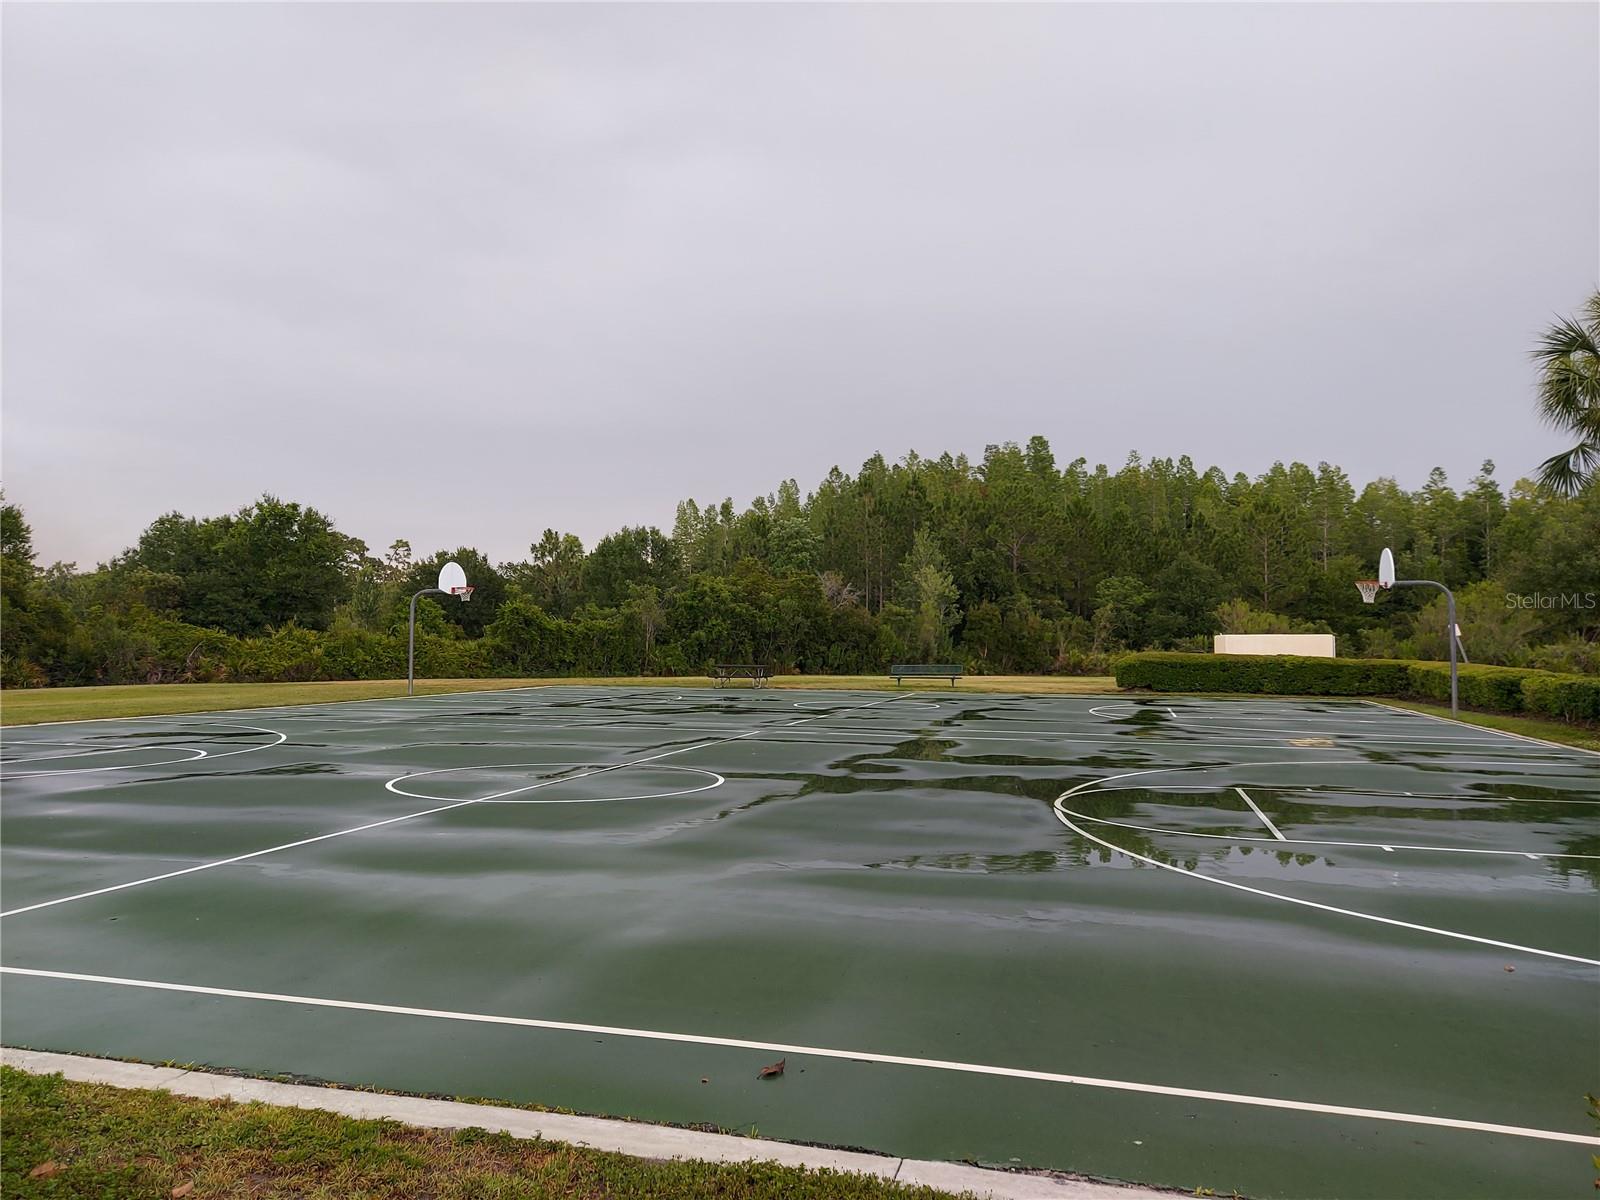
[1251, 945]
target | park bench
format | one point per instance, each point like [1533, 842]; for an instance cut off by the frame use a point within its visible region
[725, 673]
[900, 671]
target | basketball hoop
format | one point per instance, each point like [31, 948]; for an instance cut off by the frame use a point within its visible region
[452, 582]
[1386, 579]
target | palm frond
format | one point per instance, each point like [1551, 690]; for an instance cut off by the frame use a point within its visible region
[1568, 356]
[1569, 473]
[1566, 337]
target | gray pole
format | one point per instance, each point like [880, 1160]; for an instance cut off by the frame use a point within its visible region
[410, 642]
[1450, 610]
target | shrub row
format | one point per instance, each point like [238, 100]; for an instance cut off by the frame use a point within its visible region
[1276, 674]
[1499, 689]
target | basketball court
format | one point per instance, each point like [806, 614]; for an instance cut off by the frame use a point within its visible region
[1284, 948]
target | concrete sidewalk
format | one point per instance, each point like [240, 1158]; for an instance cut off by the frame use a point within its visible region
[597, 1133]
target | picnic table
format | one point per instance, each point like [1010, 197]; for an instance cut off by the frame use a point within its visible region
[725, 673]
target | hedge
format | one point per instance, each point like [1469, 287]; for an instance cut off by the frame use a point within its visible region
[1277, 674]
[1567, 697]
[1499, 689]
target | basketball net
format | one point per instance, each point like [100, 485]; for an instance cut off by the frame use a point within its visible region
[463, 593]
[1369, 589]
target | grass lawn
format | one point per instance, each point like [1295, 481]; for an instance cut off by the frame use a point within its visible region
[63, 1138]
[1551, 731]
[29, 706]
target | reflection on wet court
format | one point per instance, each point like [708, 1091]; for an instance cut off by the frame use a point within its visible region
[1288, 948]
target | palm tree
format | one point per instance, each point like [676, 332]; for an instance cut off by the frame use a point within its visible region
[1569, 397]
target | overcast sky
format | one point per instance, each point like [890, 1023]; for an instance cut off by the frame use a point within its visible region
[459, 273]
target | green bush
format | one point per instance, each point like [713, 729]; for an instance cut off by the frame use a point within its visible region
[1277, 674]
[137, 645]
[1500, 689]
[362, 654]
[1567, 697]
[288, 654]
[1497, 688]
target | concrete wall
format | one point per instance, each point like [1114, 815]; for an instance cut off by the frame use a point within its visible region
[1312, 645]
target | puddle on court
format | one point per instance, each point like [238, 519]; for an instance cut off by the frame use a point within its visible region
[207, 732]
[307, 768]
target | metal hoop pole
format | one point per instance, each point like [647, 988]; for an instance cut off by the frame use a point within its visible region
[411, 639]
[1450, 616]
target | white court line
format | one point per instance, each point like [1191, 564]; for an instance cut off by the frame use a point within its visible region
[9, 762]
[30, 743]
[201, 755]
[1236, 719]
[1474, 798]
[1097, 786]
[1236, 838]
[1089, 732]
[267, 708]
[899, 1060]
[1245, 796]
[1132, 741]
[1506, 733]
[1062, 812]
[238, 858]
[499, 797]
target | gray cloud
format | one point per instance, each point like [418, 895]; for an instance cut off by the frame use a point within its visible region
[457, 273]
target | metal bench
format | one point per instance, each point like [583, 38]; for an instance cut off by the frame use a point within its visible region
[723, 674]
[900, 671]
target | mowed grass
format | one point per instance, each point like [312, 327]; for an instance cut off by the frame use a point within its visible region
[30, 706]
[63, 1138]
[1583, 737]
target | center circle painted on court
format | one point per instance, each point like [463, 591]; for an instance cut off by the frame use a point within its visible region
[555, 780]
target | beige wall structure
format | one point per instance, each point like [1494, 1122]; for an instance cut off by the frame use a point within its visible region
[1311, 645]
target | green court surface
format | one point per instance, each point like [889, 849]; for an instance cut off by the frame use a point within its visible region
[1289, 948]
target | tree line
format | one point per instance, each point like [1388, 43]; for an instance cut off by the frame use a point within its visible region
[1012, 563]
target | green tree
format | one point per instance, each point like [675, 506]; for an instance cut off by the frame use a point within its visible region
[271, 563]
[1568, 358]
[472, 617]
[633, 555]
[553, 579]
[1482, 510]
[791, 544]
[525, 640]
[1184, 595]
[1270, 541]
[1120, 614]
[1492, 631]
[928, 591]
[644, 609]
[20, 650]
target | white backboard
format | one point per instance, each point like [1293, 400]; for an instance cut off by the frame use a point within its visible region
[1386, 568]
[451, 576]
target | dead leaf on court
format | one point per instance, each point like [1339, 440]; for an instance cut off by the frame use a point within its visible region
[776, 1068]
